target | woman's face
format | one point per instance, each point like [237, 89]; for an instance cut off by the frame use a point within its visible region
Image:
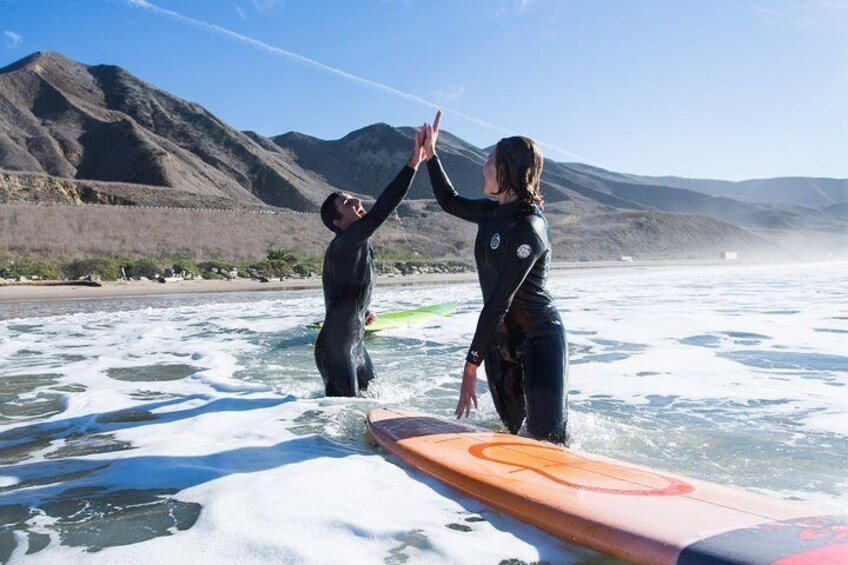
[490, 177]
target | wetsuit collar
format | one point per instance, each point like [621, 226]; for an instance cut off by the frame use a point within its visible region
[511, 209]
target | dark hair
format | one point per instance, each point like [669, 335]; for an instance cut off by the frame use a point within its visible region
[518, 166]
[330, 212]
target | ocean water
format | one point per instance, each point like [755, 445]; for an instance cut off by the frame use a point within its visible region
[185, 428]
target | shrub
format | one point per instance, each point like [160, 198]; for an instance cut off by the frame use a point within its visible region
[274, 268]
[213, 269]
[106, 268]
[307, 268]
[29, 268]
[145, 267]
[281, 255]
[187, 266]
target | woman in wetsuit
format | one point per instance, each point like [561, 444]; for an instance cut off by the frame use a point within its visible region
[520, 335]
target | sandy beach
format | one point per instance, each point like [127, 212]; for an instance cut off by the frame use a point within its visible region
[22, 291]
[125, 289]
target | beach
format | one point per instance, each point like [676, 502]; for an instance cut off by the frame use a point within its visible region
[23, 291]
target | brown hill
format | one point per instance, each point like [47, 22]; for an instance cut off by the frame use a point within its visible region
[77, 134]
[75, 121]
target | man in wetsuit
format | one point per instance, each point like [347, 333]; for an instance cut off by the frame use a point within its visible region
[348, 279]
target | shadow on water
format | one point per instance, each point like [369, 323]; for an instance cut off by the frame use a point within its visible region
[95, 504]
[789, 360]
[18, 443]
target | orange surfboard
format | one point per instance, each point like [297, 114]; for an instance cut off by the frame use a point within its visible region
[631, 512]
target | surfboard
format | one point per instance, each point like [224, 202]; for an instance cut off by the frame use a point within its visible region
[634, 513]
[404, 318]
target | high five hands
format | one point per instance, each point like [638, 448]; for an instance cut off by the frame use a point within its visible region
[424, 146]
[430, 134]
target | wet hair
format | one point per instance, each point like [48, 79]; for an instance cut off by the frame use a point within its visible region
[518, 166]
[330, 212]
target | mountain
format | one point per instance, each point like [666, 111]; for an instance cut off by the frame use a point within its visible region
[795, 191]
[72, 133]
[366, 159]
[100, 123]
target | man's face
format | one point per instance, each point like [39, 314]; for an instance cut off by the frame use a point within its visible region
[349, 208]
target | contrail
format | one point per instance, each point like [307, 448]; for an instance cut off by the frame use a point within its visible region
[291, 56]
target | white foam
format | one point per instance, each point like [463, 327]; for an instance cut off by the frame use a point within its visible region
[285, 475]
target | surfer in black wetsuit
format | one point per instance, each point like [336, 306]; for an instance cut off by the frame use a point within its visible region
[348, 279]
[520, 335]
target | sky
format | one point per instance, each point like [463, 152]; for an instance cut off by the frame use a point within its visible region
[727, 89]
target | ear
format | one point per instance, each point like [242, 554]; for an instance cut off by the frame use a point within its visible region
[338, 224]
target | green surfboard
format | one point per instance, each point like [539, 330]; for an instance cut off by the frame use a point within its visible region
[405, 318]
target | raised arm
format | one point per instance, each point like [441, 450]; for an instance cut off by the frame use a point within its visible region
[391, 197]
[521, 251]
[471, 210]
[468, 209]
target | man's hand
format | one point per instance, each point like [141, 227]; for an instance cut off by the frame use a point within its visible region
[370, 317]
[431, 134]
[468, 391]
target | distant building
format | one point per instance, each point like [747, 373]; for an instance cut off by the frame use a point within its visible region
[728, 255]
[626, 258]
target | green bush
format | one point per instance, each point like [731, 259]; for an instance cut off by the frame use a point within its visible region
[187, 266]
[107, 268]
[281, 255]
[273, 268]
[306, 269]
[205, 266]
[212, 269]
[29, 268]
[145, 267]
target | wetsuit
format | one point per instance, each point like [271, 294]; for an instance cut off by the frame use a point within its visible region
[520, 335]
[348, 278]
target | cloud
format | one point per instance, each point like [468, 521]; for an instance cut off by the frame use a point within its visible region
[306, 61]
[504, 8]
[240, 12]
[450, 95]
[784, 18]
[524, 4]
[13, 38]
[807, 15]
[264, 6]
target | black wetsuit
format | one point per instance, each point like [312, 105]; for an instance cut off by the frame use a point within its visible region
[520, 336]
[348, 279]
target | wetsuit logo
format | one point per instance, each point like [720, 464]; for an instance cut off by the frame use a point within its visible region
[496, 241]
[523, 251]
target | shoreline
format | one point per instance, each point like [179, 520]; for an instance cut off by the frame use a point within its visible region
[22, 292]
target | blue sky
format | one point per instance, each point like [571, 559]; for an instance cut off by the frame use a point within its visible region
[728, 89]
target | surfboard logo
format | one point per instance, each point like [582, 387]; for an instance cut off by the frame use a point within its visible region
[523, 251]
[496, 241]
[544, 460]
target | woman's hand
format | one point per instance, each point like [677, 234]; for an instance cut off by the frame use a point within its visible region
[468, 392]
[417, 150]
[431, 134]
[370, 318]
